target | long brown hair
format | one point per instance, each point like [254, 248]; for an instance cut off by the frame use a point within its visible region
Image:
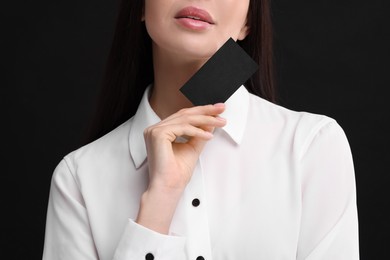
[129, 68]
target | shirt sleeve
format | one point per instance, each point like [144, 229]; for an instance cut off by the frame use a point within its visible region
[68, 234]
[329, 223]
[137, 242]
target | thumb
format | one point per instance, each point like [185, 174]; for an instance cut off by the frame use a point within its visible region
[199, 143]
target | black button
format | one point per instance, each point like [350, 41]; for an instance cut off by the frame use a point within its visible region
[200, 258]
[195, 202]
[149, 256]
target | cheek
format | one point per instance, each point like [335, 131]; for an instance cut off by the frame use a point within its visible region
[158, 18]
[153, 21]
[235, 14]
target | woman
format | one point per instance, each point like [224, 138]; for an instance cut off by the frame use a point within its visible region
[242, 180]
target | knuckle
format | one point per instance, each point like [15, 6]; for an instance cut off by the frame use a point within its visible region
[182, 111]
[154, 132]
[146, 131]
[151, 132]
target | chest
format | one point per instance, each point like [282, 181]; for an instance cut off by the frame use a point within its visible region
[240, 206]
[243, 202]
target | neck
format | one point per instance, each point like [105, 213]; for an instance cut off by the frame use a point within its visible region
[170, 74]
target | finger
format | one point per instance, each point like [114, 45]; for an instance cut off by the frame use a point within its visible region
[196, 120]
[171, 132]
[211, 110]
[198, 143]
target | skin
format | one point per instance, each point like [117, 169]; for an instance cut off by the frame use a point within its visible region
[178, 52]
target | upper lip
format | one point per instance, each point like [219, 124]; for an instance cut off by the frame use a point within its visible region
[195, 13]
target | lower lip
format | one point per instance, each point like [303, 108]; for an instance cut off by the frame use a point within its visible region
[195, 25]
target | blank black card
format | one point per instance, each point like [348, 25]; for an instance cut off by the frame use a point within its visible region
[220, 76]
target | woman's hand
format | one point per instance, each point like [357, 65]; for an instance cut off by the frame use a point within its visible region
[171, 163]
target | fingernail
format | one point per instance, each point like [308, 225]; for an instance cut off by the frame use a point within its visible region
[219, 105]
[221, 119]
[209, 135]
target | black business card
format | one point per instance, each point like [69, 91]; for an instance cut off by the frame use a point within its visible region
[228, 69]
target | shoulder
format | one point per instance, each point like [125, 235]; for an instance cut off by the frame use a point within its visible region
[301, 127]
[271, 112]
[107, 150]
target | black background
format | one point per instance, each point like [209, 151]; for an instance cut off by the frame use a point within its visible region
[332, 58]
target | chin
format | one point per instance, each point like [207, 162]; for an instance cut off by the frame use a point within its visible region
[197, 47]
[189, 46]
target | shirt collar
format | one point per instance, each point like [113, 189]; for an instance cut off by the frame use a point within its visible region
[235, 113]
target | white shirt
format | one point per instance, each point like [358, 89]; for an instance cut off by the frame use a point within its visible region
[272, 184]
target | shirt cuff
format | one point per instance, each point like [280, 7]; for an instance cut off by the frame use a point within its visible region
[138, 241]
